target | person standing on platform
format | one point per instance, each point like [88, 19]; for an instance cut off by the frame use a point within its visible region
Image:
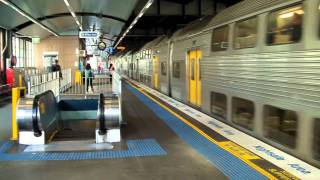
[111, 69]
[89, 77]
[100, 67]
[57, 67]
[10, 76]
[10, 72]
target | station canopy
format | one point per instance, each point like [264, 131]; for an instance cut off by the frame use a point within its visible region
[105, 16]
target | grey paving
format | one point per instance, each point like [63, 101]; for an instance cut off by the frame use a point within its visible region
[5, 121]
[181, 162]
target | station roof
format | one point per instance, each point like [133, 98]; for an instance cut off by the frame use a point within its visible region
[108, 16]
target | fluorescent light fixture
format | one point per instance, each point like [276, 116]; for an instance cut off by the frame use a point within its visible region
[143, 10]
[148, 4]
[20, 11]
[73, 14]
[134, 22]
[66, 2]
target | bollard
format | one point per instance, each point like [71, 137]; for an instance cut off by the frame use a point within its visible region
[16, 94]
[78, 78]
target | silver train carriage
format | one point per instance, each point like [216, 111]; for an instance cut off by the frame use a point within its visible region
[255, 66]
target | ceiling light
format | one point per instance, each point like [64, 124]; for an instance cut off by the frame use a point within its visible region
[135, 21]
[66, 2]
[143, 10]
[73, 14]
[148, 4]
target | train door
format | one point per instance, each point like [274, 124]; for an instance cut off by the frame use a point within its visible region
[155, 72]
[194, 77]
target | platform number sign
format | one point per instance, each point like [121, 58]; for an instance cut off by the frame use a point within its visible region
[88, 34]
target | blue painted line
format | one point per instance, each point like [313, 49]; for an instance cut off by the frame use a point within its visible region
[230, 165]
[136, 148]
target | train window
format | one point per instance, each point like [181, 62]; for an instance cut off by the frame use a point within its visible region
[164, 68]
[149, 54]
[280, 125]
[131, 66]
[243, 112]
[316, 139]
[246, 33]
[220, 38]
[285, 26]
[219, 105]
[176, 69]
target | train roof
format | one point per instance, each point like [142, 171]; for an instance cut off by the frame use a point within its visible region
[163, 41]
[193, 27]
[245, 9]
[152, 43]
[128, 53]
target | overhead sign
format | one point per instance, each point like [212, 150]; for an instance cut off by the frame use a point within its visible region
[110, 50]
[35, 40]
[88, 34]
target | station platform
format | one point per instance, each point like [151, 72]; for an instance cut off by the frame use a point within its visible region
[164, 139]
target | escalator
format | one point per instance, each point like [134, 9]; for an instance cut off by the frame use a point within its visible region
[42, 120]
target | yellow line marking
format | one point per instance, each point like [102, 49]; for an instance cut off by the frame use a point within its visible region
[240, 151]
[254, 166]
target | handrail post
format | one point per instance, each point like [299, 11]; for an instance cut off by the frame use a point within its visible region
[15, 97]
[16, 93]
[102, 125]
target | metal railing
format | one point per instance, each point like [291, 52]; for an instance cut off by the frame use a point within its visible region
[43, 82]
[39, 83]
[66, 80]
[100, 83]
[90, 86]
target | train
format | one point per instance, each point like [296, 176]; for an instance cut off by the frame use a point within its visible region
[254, 66]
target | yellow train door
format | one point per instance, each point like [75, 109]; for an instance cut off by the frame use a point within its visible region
[194, 77]
[155, 72]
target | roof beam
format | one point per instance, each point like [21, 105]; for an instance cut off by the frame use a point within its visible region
[26, 24]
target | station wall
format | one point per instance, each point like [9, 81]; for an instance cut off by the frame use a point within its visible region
[66, 47]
